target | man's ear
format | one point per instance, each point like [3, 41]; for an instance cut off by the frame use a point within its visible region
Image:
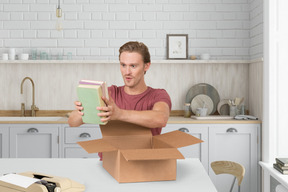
[146, 67]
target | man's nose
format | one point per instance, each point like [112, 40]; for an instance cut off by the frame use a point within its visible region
[128, 70]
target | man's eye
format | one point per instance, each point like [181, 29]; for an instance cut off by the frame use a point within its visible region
[133, 66]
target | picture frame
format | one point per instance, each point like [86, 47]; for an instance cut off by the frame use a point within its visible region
[177, 46]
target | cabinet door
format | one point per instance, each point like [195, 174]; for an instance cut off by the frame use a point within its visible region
[193, 151]
[4, 145]
[34, 141]
[72, 135]
[237, 142]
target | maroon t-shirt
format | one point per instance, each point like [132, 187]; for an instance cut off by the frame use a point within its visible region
[141, 102]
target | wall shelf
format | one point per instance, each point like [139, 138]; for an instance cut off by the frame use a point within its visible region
[116, 61]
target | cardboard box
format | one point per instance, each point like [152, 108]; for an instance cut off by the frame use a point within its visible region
[132, 154]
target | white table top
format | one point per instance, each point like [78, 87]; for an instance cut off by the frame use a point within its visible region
[191, 175]
[283, 179]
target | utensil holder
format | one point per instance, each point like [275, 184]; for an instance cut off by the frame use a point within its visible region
[233, 110]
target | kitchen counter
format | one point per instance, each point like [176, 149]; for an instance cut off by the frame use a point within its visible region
[191, 176]
[182, 120]
[172, 120]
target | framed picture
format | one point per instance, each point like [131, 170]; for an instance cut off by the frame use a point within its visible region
[177, 46]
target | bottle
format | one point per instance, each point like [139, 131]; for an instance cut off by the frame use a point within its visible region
[187, 110]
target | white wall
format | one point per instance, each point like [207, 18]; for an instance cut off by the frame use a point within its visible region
[95, 29]
[275, 79]
[256, 28]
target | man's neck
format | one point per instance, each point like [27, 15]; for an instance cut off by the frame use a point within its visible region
[135, 90]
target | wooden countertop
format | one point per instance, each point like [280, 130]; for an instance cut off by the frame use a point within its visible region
[172, 120]
[182, 120]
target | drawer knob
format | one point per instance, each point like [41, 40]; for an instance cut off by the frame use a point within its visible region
[231, 130]
[32, 130]
[84, 135]
[183, 129]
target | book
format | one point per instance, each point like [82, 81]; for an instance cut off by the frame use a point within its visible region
[90, 95]
[282, 167]
[282, 161]
[283, 171]
[101, 83]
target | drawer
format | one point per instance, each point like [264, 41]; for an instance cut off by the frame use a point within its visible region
[73, 135]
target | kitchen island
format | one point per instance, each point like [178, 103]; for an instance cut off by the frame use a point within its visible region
[191, 176]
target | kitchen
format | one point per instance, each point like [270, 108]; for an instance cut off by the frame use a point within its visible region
[231, 32]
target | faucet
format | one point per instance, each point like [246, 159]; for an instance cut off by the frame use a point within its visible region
[33, 106]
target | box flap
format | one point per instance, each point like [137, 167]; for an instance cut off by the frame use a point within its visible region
[151, 154]
[120, 128]
[178, 139]
[96, 146]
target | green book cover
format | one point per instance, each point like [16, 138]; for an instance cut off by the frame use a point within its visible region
[90, 97]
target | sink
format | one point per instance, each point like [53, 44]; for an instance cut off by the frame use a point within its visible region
[33, 119]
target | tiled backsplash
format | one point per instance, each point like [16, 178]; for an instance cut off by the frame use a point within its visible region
[95, 29]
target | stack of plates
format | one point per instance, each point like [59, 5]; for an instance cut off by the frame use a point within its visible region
[202, 100]
[200, 93]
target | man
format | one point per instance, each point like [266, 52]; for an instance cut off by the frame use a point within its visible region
[135, 102]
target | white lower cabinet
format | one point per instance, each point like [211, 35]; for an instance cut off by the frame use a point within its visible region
[225, 142]
[70, 137]
[34, 141]
[239, 143]
[193, 151]
[4, 144]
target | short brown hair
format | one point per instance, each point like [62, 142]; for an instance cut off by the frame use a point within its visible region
[135, 46]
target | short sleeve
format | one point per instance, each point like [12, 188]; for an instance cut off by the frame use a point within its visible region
[162, 95]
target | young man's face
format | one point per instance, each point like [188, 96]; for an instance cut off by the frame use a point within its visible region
[132, 68]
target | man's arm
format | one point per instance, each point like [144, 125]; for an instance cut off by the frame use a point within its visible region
[157, 117]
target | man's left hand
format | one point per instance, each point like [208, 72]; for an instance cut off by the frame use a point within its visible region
[110, 112]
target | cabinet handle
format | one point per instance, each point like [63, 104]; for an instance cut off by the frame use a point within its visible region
[231, 130]
[84, 135]
[32, 130]
[183, 129]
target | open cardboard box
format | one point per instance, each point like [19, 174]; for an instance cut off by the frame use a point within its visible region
[132, 154]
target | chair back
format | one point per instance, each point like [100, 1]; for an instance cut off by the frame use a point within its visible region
[229, 167]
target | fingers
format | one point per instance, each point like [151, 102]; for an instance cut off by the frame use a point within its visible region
[78, 103]
[107, 101]
[105, 119]
[78, 107]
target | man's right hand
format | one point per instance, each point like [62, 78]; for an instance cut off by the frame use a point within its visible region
[75, 118]
[78, 107]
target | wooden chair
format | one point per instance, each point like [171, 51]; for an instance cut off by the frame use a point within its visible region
[229, 167]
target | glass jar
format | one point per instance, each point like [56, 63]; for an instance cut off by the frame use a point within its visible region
[187, 110]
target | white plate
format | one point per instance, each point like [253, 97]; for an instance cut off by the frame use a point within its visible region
[198, 102]
[206, 89]
[223, 107]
